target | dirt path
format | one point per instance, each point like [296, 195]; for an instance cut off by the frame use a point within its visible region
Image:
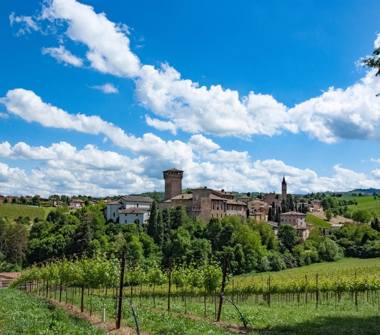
[95, 320]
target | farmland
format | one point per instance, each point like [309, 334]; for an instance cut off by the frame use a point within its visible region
[13, 211]
[325, 309]
[345, 265]
[316, 221]
[370, 203]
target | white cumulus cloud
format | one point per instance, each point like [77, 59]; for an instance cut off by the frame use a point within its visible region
[106, 88]
[338, 113]
[351, 113]
[108, 44]
[26, 24]
[161, 125]
[63, 168]
[61, 54]
[376, 173]
[188, 105]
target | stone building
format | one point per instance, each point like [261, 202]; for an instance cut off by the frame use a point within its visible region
[297, 221]
[316, 206]
[129, 209]
[203, 203]
[258, 210]
[272, 199]
[76, 203]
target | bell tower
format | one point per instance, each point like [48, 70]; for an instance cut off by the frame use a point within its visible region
[284, 190]
[173, 183]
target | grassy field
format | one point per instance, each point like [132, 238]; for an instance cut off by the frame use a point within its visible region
[365, 202]
[341, 268]
[23, 314]
[316, 221]
[13, 211]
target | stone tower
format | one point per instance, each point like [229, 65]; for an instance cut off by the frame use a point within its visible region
[173, 183]
[283, 189]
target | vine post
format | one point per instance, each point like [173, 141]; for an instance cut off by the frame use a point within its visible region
[121, 285]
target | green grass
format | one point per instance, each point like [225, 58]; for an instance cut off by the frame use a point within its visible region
[342, 266]
[13, 211]
[155, 322]
[289, 317]
[365, 202]
[316, 221]
[23, 314]
[286, 315]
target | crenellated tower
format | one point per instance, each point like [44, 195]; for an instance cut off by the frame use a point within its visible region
[173, 183]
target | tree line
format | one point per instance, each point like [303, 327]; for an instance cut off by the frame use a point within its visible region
[171, 238]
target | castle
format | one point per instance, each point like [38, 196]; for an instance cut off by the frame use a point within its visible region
[206, 204]
[202, 202]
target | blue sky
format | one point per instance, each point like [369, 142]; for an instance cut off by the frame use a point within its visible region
[282, 53]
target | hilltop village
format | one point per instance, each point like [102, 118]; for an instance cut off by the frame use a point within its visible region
[205, 203]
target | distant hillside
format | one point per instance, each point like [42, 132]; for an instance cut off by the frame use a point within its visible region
[364, 202]
[158, 196]
[365, 191]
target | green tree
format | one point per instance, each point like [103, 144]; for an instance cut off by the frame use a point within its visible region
[373, 61]
[267, 235]
[375, 224]
[328, 250]
[328, 214]
[152, 222]
[178, 217]
[362, 216]
[17, 241]
[287, 236]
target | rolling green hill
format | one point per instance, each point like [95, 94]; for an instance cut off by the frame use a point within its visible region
[369, 203]
[13, 211]
[316, 221]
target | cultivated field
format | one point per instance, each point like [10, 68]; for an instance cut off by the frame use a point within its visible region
[345, 265]
[320, 299]
[316, 221]
[13, 211]
[365, 202]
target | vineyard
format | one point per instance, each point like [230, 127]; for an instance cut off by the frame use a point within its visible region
[188, 300]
